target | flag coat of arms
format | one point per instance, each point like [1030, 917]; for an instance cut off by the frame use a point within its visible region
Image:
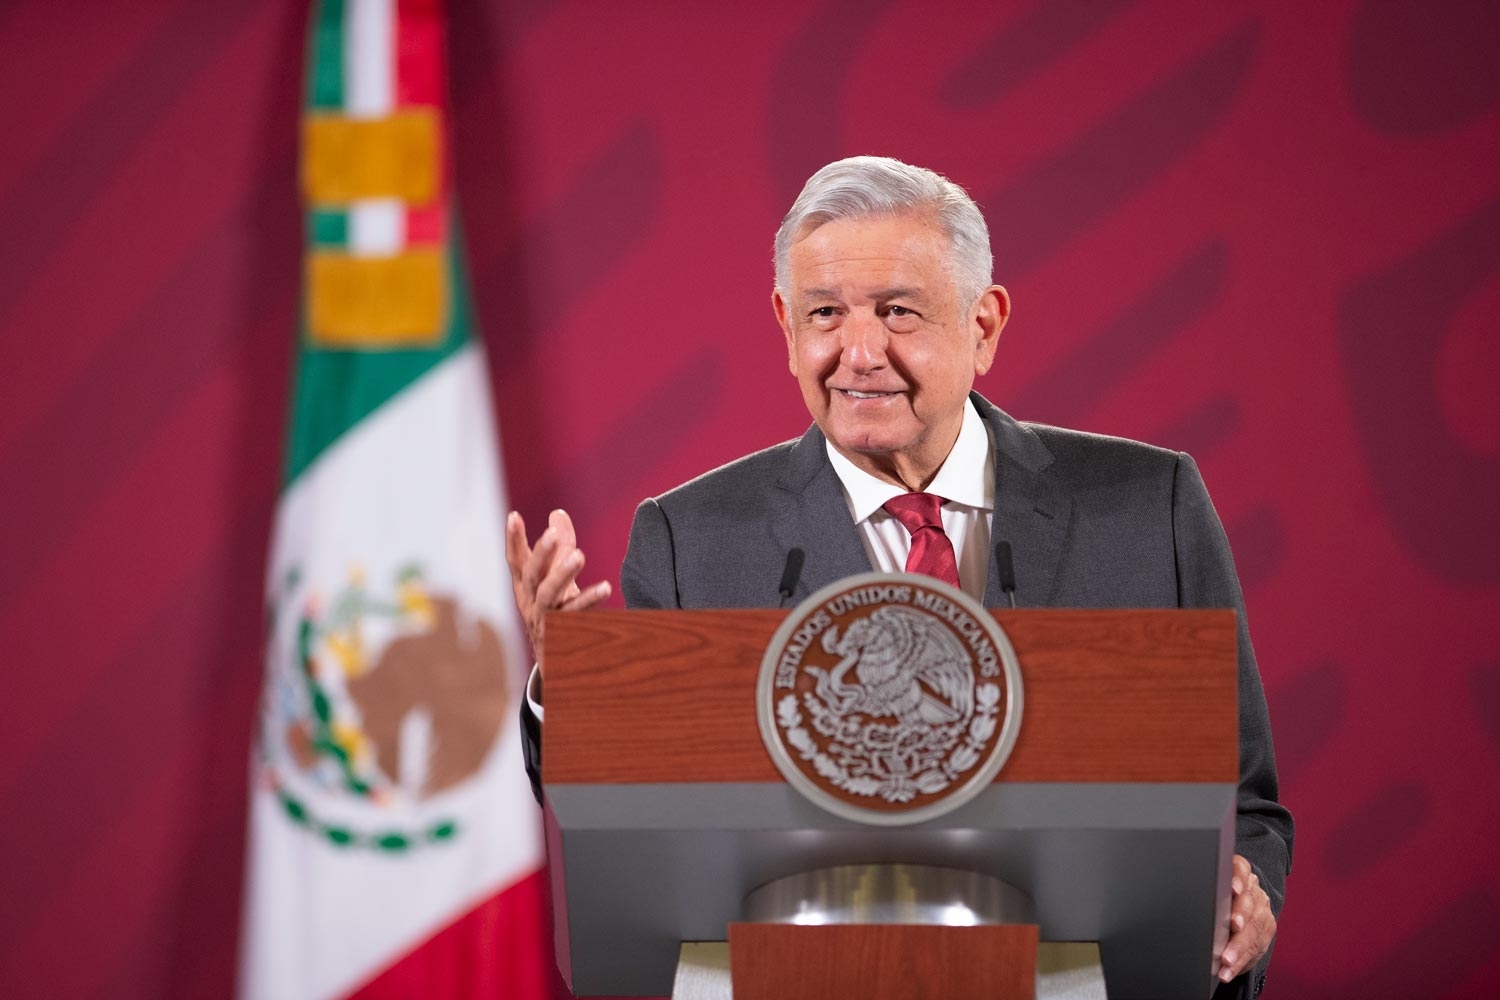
[388, 798]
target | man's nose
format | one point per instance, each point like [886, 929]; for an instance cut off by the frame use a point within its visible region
[864, 343]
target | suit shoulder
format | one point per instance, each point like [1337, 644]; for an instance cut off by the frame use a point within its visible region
[742, 478]
[1070, 441]
[1085, 457]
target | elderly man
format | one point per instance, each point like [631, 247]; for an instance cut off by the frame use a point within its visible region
[884, 293]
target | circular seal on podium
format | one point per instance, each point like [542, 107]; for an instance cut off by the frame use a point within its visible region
[889, 698]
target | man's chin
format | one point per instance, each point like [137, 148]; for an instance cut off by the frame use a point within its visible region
[870, 448]
[865, 445]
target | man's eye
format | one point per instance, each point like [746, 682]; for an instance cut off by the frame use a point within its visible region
[823, 312]
[901, 311]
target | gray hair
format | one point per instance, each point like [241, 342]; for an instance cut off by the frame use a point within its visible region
[863, 187]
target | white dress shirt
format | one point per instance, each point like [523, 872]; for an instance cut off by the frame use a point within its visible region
[966, 481]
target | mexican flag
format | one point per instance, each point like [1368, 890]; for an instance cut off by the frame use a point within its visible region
[394, 843]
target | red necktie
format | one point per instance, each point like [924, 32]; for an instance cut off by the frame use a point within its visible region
[931, 551]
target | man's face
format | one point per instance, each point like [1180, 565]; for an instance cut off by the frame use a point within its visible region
[882, 347]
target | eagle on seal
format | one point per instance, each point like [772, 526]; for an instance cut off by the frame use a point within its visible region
[907, 665]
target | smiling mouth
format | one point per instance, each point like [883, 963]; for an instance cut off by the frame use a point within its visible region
[857, 394]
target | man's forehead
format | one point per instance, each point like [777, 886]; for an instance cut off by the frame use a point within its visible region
[881, 257]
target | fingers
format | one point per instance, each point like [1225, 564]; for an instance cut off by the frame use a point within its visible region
[516, 549]
[553, 549]
[1240, 873]
[562, 525]
[1252, 924]
[588, 596]
[558, 583]
[544, 576]
[1243, 910]
[559, 587]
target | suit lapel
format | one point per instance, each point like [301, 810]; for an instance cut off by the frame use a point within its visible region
[1031, 511]
[814, 517]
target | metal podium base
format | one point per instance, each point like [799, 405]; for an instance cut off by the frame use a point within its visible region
[893, 894]
[889, 894]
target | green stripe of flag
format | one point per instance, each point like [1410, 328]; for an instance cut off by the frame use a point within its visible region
[325, 70]
[328, 228]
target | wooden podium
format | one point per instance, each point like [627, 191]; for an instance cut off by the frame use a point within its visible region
[1114, 812]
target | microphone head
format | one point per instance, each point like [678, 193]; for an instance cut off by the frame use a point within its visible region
[792, 573]
[1006, 566]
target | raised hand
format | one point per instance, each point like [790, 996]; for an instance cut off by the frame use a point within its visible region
[545, 577]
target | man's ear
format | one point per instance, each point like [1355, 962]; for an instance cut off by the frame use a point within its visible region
[987, 319]
[783, 317]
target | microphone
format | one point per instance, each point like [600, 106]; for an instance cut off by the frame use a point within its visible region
[791, 574]
[1007, 569]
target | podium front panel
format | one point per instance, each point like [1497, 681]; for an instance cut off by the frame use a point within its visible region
[1115, 812]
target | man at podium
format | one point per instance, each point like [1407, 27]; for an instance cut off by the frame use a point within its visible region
[883, 290]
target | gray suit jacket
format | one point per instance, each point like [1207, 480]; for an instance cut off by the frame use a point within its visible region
[1093, 521]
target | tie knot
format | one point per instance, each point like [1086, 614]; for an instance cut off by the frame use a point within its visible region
[917, 510]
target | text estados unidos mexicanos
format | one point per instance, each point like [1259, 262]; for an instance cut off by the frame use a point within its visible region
[786, 667]
[961, 621]
[964, 624]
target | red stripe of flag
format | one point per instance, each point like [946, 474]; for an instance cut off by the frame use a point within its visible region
[419, 53]
[498, 949]
[420, 62]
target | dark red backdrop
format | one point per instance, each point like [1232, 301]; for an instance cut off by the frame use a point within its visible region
[1266, 233]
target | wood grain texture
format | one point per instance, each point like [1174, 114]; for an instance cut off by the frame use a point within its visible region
[1109, 696]
[882, 961]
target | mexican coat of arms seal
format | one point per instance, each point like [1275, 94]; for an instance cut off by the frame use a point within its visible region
[889, 699]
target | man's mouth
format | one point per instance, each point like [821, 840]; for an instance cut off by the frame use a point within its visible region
[857, 394]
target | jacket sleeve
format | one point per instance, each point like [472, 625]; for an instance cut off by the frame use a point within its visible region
[531, 748]
[1206, 578]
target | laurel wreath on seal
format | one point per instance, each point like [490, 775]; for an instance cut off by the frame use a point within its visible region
[895, 762]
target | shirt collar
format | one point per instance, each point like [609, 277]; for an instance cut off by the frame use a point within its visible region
[966, 475]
